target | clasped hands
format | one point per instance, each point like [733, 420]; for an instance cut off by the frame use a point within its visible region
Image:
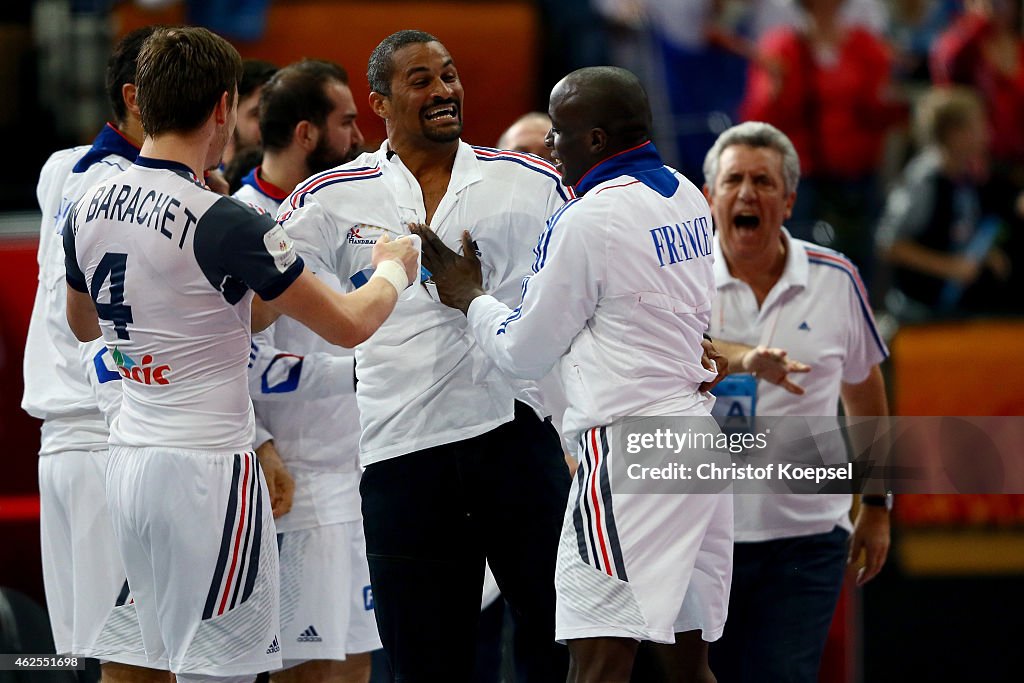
[459, 279]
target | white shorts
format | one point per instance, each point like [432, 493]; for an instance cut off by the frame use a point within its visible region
[640, 566]
[86, 588]
[326, 602]
[197, 538]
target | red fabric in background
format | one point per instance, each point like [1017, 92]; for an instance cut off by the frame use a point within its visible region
[19, 433]
[20, 565]
[836, 114]
[958, 56]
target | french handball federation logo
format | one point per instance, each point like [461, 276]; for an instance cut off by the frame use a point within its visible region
[144, 372]
[363, 233]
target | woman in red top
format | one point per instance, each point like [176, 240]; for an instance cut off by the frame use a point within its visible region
[826, 86]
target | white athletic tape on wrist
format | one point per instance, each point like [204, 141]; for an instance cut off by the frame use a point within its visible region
[394, 273]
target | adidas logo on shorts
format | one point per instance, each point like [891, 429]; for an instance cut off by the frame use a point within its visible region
[274, 647]
[309, 636]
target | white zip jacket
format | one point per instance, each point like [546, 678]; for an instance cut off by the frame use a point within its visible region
[423, 381]
[74, 388]
[622, 295]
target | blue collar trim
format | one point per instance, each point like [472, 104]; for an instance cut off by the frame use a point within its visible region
[265, 188]
[167, 164]
[641, 162]
[109, 141]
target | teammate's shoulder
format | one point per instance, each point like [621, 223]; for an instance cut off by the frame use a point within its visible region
[247, 194]
[521, 167]
[65, 156]
[572, 210]
[348, 177]
[236, 209]
[59, 164]
[516, 162]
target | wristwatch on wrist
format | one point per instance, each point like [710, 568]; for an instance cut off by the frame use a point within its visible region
[877, 500]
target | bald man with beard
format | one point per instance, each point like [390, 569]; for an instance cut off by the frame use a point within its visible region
[620, 297]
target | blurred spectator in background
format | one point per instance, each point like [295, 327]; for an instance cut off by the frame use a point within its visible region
[941, 224]
[983, 48]
[826, 85]
[573, 36]
[255, 73]
[769, 15]
[915, 26]
[527, 134]
[700, 61]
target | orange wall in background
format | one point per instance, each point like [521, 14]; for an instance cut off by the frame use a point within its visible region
[495, 46]
[959, 368]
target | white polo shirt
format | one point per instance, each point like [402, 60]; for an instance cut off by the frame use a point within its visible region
[818, 312]
[423, 381]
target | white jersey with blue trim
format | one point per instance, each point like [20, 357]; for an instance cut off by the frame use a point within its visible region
[303, 392]
[71, 386]
[301, 366]
[620, 297]
[422, 380]
[819, 313]
[172, 268]
[259, 192]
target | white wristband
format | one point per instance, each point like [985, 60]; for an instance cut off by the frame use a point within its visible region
[394, 273]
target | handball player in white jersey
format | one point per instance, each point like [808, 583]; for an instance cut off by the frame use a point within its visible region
[167, 270]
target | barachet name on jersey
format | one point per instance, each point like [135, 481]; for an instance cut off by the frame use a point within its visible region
[682, 242]
[153, 209]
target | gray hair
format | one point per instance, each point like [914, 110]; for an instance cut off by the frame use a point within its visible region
[755, 134]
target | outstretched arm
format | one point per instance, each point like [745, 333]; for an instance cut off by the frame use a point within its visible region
[525, 342]
[349, 319]
[770, 364]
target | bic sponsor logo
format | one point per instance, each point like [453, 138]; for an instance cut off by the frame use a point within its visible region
[144, 373]
[368, 598]
[309, 636]
[362, 233]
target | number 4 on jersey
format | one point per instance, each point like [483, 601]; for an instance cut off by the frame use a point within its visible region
[112, 266]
